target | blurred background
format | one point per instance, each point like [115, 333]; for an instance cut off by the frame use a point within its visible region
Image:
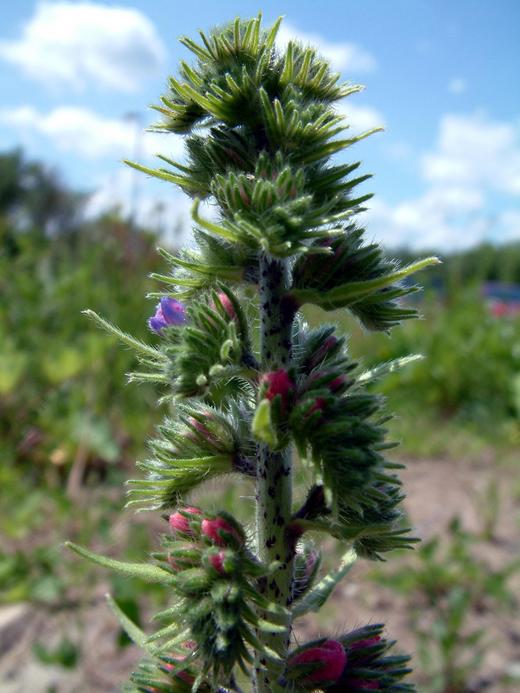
[78, 229]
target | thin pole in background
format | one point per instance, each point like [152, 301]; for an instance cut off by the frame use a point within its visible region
[136, 118]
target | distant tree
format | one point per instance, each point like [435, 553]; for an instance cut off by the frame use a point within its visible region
[33, 198]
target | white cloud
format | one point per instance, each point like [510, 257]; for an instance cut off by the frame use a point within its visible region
[360, 118]
[88, 134]
[342, 55]
[440, 218]
[475, 151]
[510, 225]
[474, 159]
[74, 43]
[457, 85]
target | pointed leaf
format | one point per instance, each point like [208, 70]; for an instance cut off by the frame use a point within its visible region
[316, 598]
[146, 572]
[347, 294]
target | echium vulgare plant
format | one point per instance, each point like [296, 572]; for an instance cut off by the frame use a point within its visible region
[254, 390]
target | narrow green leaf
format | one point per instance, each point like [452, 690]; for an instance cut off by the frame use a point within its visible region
[183, 181]
[146, 572]
[346, 294]
[318, 595]
[133, 631]
[126, 338]
[209, 226]
[273, 31]
[389, 367]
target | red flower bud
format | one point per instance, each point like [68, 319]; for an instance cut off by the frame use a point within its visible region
[217, 562]
[330, 660]
[319, 404]
[180, 523]
[277, 383]
[212, 529]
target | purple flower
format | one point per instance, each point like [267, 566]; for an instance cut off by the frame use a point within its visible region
[168, 312]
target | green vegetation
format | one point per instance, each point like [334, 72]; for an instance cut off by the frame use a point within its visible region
[62, 404]
[464, 396]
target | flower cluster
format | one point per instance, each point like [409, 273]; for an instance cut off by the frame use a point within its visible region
[215, 578]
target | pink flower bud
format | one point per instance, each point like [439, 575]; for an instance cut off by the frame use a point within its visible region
[212, 530]
[180, 523]
[182, 675]
[217, 562]
[227, 305]
[277, 383]
[330, 660]
[334, 384]
[201, 430]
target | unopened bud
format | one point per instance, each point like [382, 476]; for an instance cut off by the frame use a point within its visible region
[214, 529]
[217, 562]
[321, 352]
[329, 659]
[200, 429]
[227, 305]
[183, 675]
[337, 384]
[277, 383]
[244, 196]
[319, 404]
[180, 520]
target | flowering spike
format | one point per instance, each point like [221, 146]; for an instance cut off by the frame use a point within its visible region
[248, 380]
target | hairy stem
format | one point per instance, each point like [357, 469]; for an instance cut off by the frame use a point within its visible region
[274, 473]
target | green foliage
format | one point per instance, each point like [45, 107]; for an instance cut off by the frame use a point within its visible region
[66, 654]
[56, 405]
[468, 380]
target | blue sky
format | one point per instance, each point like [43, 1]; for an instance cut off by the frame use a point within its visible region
[441, 77]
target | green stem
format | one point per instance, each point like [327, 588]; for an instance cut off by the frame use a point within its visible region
[274, 470]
